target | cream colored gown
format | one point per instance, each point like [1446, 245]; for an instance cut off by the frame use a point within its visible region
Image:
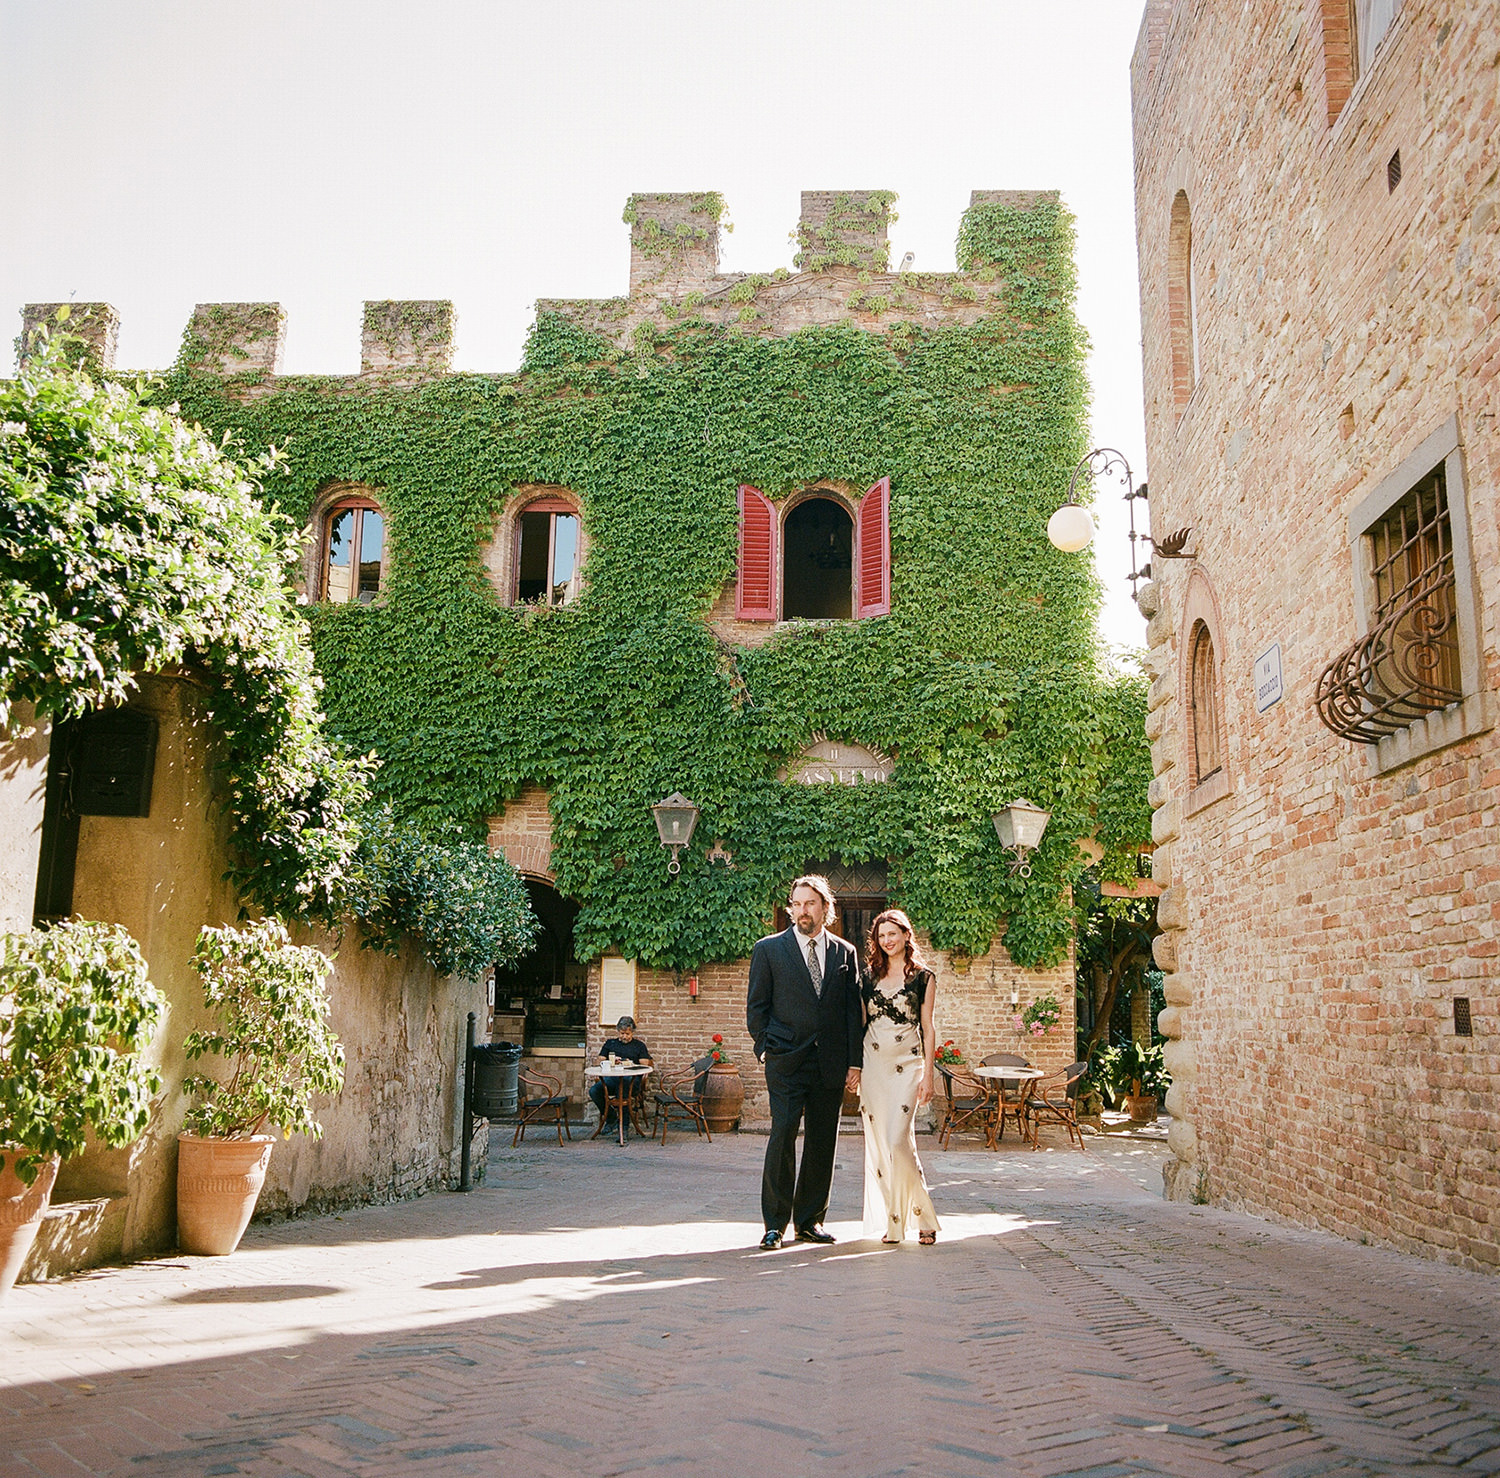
[895, 1190]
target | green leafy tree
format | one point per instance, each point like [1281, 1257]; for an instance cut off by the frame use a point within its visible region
[468, 906]
[272, 1030]
[76, 1012]
[130, 543]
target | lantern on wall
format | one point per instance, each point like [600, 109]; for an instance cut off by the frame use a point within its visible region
[1020, 826]
[675, 819]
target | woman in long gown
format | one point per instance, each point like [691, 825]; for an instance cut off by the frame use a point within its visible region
[897, 992]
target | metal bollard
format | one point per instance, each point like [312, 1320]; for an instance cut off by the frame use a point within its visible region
[463, 1159]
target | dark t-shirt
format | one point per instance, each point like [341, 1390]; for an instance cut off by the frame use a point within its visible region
[632, 1051]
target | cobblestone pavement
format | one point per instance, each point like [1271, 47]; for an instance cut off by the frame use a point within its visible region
[598, 1310]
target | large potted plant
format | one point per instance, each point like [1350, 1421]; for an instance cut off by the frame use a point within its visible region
[76, 1011]
[1139, 1079]
[271, 1030]
[723, 1089]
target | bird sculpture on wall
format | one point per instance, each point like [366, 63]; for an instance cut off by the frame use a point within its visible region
[1170, 546]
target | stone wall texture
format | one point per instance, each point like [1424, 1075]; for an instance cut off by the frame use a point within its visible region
[1324, 905]
[392, 1132]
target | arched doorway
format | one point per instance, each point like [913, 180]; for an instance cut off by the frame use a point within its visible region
[817, 561]
[543, 995]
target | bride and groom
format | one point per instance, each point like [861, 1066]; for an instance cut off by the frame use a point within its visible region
[821, 1024]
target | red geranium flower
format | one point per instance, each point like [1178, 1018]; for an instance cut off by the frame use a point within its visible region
[718, 1036]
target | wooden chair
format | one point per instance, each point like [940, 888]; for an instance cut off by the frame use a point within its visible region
[680, 1097]
[540, 1095]
[970, 1102]
[1012, 1094]
[1054, 1100]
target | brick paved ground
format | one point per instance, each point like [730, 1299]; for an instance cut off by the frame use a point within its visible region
[595, 1310]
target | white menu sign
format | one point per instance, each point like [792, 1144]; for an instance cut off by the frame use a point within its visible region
[1268, 678]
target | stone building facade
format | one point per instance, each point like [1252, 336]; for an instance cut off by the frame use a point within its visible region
[841, 280]
[1317, 187]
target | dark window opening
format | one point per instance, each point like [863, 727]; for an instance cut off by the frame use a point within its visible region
[818, 562]
[547, 556]
[549, 986]
[1207, 759]
[99, 765]
[1393, 172]
[1463, 1022]
[354, 554]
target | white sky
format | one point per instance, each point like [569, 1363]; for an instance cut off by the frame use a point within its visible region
[316, 153]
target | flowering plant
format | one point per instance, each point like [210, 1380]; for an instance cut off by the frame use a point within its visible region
[1038, 1018]
[948, 1055]
[716, 1049]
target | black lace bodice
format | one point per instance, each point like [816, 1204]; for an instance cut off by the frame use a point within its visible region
[904, 1009]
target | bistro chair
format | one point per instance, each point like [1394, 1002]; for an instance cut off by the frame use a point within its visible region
[970, 1103]
[1054, 1100]
[1012, 1094]
[680, 1097]
[541, 1100]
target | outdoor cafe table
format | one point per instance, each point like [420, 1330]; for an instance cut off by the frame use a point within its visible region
[1008, 1075]
[617, 1095]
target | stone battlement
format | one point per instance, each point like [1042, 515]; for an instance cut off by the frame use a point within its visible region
[841, 276]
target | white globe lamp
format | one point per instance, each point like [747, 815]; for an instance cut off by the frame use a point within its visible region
[1070, 528]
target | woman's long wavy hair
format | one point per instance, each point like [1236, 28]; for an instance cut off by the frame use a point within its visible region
[875, 956]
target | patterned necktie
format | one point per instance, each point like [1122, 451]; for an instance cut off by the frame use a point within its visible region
[812, 967]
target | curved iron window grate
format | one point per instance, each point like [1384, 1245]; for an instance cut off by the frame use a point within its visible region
[1407, 665]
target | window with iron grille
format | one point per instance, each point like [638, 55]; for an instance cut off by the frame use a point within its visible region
[1412, 548]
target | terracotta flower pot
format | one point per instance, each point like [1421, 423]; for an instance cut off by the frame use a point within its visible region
[218, 1184]
[21, 1209]
[1141, 1107]
[723, 1097]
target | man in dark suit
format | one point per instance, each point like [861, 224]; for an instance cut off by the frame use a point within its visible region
[804, 1017]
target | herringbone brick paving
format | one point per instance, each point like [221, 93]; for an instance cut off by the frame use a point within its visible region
[593, 1310]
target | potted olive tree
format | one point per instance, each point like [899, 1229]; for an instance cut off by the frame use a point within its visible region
[272, 1033]
[76, 1011]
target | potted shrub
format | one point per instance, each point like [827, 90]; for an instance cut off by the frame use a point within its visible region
[267, 995]
[1138, 1079]
[723, 1089]
[76, 1011]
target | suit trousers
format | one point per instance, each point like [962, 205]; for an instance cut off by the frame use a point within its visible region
[799, 1096]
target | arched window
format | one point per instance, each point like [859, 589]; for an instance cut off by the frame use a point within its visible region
[818, 561]
[547, 552]
[354, 551]
[1182, 302]
[1208, 756]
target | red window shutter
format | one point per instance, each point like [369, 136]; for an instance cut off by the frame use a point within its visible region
[755, 593]
[872, 541]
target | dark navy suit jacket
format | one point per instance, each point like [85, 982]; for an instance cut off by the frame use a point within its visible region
[787, 1018]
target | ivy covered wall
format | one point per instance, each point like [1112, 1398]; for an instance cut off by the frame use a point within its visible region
[985, 681]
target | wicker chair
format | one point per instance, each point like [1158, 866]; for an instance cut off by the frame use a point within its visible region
[541, 1100]
[680, 1097]
[1054, 1100]
[1013, 1094]
[970, 1103]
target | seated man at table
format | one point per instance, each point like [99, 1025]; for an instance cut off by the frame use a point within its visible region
[626, 1046]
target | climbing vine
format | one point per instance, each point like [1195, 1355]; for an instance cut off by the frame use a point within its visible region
[984, 680]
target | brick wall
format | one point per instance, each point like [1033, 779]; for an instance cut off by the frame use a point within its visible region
[973, 1007]
[523, 833]
[1321, 911]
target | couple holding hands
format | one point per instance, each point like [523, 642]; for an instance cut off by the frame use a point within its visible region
[820, 1023]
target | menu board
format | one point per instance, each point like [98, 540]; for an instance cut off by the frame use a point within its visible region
[616, 989]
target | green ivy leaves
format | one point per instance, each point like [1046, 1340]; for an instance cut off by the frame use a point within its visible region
[984, 681]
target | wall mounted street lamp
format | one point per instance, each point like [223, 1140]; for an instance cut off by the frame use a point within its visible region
[675, 819]
[1020, 826]
[1072, 526]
